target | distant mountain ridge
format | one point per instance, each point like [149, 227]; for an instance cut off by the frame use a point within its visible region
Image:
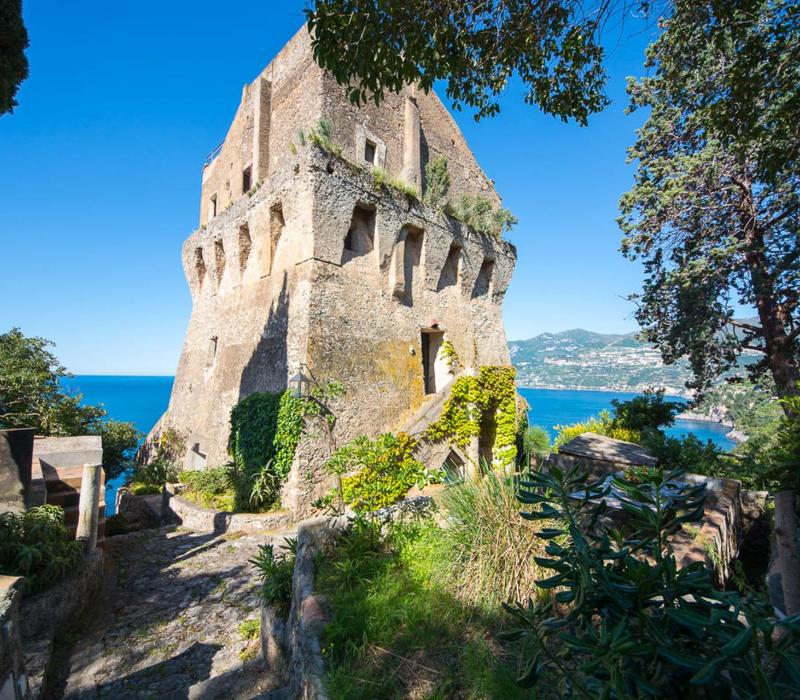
[581, 359]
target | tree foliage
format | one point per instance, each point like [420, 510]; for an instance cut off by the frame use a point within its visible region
[13, 63]
[714, 213]
[32, 395]
[553, 46]
[648, 410]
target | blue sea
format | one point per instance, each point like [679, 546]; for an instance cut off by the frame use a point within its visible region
[142, 400]
[552, 407]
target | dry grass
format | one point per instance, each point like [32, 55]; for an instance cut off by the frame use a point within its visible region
[491, 547]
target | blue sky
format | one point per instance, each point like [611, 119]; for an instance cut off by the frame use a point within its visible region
[101, 178]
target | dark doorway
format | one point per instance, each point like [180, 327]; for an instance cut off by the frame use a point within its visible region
[431, 342]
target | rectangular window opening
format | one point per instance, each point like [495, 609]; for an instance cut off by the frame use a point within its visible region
[213, 206]
[246, 180]
[369, 151]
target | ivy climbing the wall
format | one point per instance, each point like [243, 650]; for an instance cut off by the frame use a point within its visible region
[486, 403]
[265, 430]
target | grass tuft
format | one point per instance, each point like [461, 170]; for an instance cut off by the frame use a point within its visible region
[398, 632]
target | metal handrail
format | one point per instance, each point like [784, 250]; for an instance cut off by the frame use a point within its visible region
[211, 157]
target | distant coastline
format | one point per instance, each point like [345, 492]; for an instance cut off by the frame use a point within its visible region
[669, 391]
[718, 417]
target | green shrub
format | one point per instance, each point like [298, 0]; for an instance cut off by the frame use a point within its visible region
[603, 424]
[491, 551]
[381, 179]
[211, 488]
[275, 573]
[144, 488]
[37, 545]
[648, 410]
[250, 629]
[625, 621]
[322, 135]
[437, 181]
[168, 449]
[536, 443]
[477, 212]
[386, 469]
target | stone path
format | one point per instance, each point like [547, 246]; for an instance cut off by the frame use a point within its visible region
[173, 627]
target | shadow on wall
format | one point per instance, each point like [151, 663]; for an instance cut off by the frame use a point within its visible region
[267, 368]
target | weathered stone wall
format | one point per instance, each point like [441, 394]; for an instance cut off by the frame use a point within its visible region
[174, 508]
[384, 125]
[321, 266]
[13, 678]
[284, 99]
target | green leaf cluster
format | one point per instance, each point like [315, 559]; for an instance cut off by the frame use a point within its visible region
[437, 182]
[212, 488]
[486, 403]
[449, 353]
[37, 545]
[386, 470]
[150, 476]
[381, 179]
[13, 62]
[624, 620]
[275, 571]
[478, 213]
[553, 48]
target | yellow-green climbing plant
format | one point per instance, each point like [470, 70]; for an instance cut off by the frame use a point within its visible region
[486, 401]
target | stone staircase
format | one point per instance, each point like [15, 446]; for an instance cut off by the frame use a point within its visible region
[428, 413]
[57, 472]
[433, 454]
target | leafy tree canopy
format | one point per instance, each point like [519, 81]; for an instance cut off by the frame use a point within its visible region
[31, 395]
[13, 63]
[714, 213]
[553, 46]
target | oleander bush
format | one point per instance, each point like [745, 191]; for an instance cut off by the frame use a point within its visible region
[624, 620]
[37, 545]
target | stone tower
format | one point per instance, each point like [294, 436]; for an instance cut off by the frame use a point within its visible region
[302, 256]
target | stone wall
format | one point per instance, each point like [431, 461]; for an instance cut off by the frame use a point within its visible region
[13, 678]
[16, 454]
[195, 517]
